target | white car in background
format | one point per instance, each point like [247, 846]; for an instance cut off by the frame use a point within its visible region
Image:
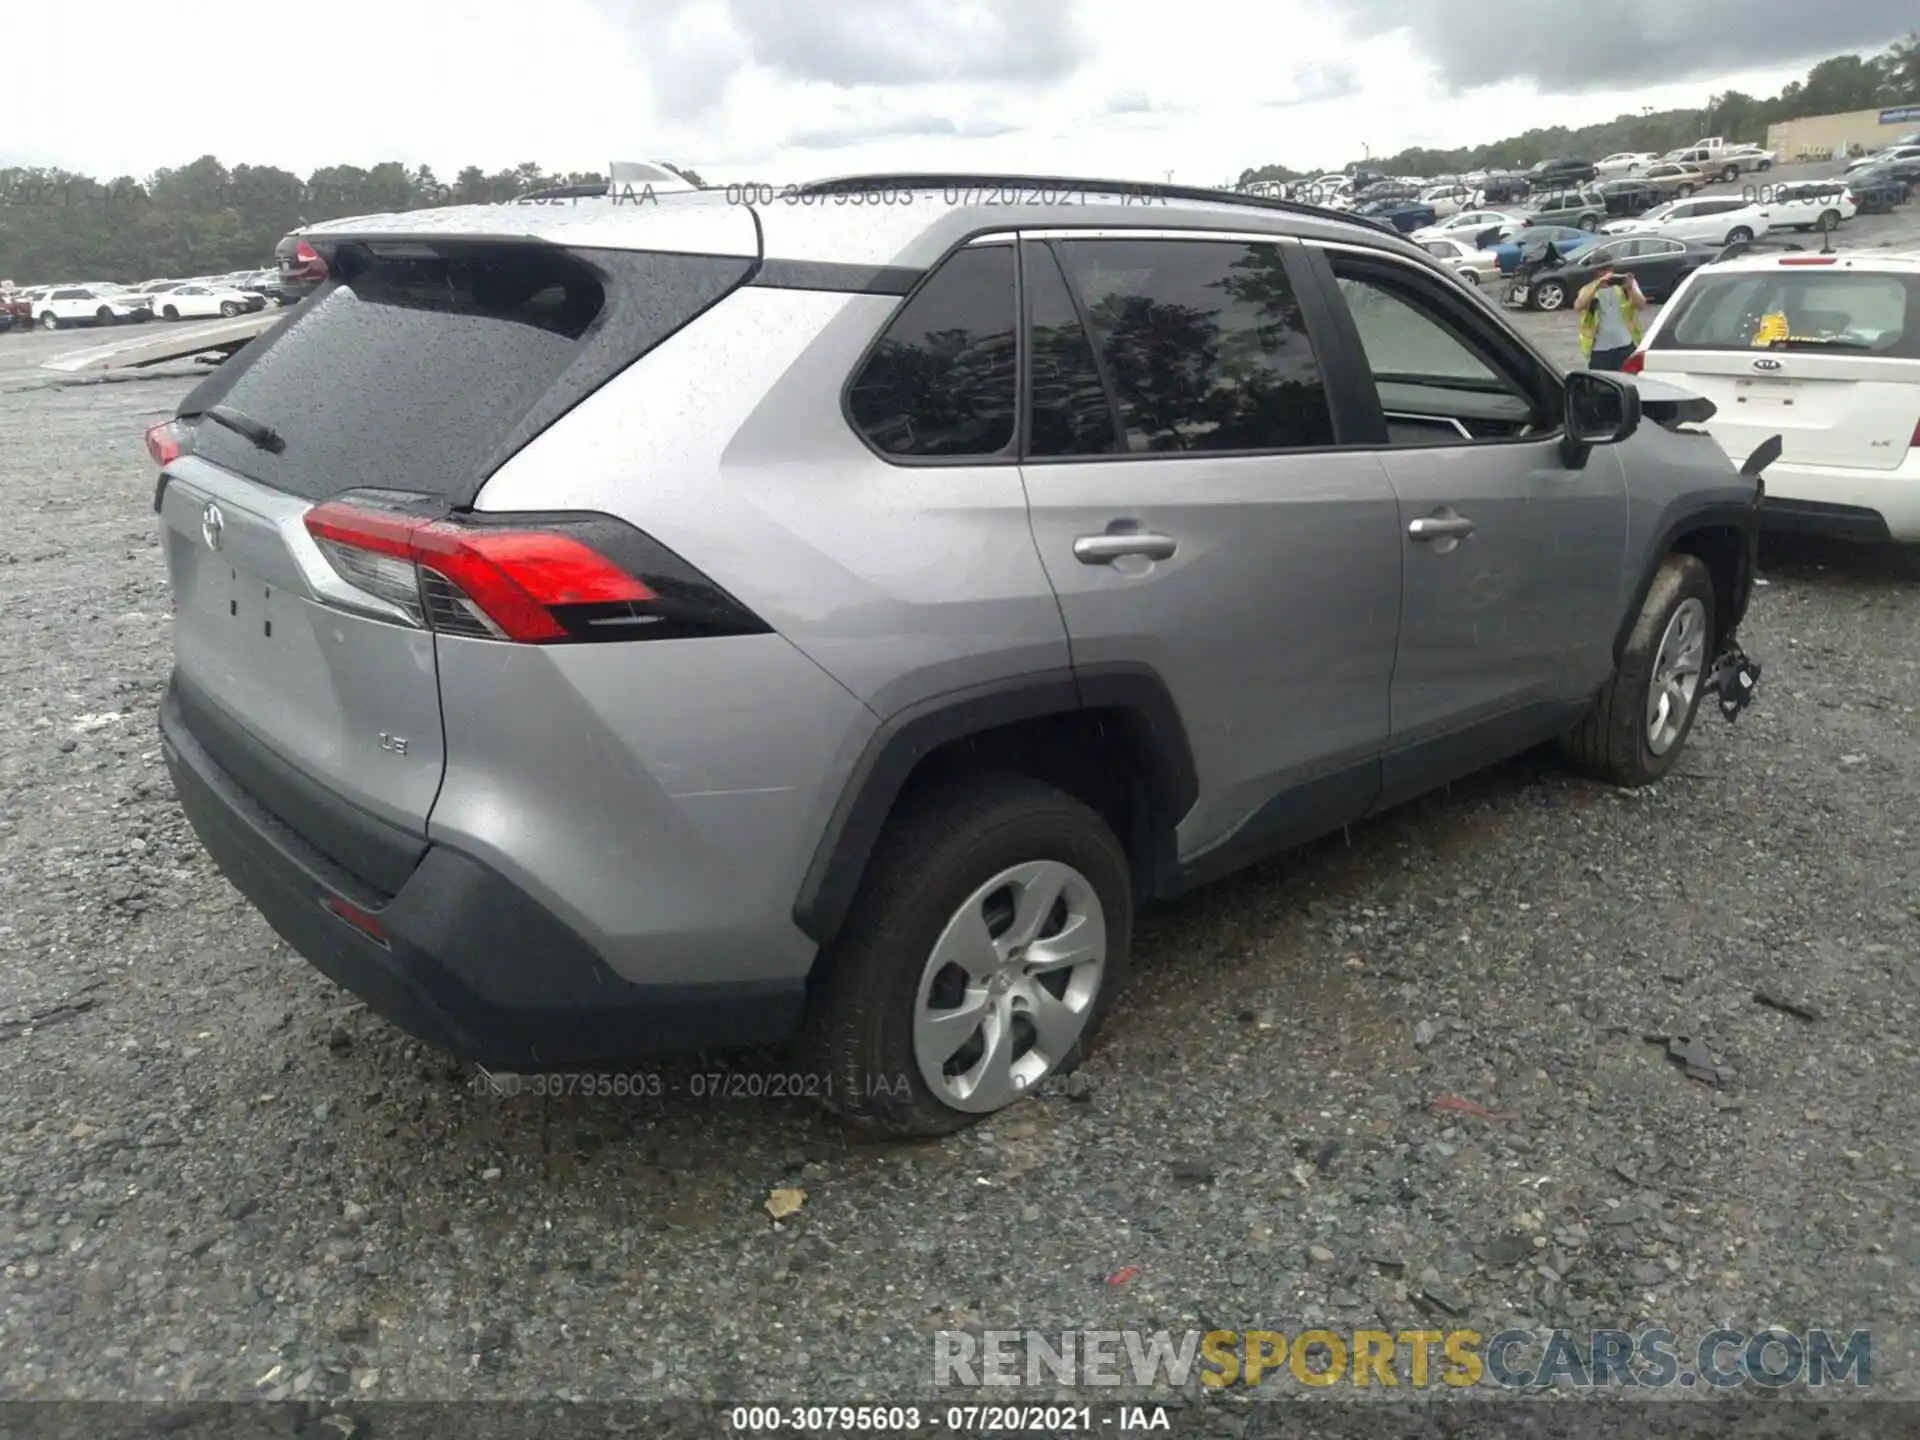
[1815, 205]
[1891, 152]
[1713, 220]
[1823, 351]
[1467, 225]
[1624, 162]
[195, 300]
[1447, 200]
[1472, 264]
[65, 305]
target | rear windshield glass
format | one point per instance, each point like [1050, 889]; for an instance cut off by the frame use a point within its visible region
[424, 372]
[1810, 309]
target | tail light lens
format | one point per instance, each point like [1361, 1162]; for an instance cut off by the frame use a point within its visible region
[1915, 442]
[1634, 363]
[307, 261]
[168, 441]
[532, 580]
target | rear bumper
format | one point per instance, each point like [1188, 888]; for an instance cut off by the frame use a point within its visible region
[457, 932]
[1857, 504]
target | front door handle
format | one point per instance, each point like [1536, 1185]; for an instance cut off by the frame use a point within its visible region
[1439, 527]
[1105, 549]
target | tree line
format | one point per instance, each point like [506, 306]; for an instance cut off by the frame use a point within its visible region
[1835, 86]
[205, 219]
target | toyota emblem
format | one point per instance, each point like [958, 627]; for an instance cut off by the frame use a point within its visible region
[1764, 364]
[212, 522]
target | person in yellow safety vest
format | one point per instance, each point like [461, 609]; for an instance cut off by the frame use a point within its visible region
[1609, 309]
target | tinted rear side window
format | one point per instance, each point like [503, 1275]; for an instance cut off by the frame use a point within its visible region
[425, 372]
[1810, 310]
[1070, 414]
[941, 381]
[1204, 343]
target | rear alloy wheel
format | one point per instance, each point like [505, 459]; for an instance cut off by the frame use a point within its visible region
[229, 309]
[1730, 174]
[1685, 190]
[1639, 723]
[1737, 234]
[1829, 220]
[982, 954]
[49, 321]
[1549, 295]
[1589, 222]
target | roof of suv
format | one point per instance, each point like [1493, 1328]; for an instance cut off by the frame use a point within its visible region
[880, 220]
[1881, 261]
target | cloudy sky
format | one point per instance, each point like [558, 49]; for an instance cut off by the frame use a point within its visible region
[787, 89]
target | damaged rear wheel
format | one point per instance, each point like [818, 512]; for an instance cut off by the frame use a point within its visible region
[1639, 723]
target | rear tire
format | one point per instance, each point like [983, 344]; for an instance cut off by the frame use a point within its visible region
[1730, 174]
[49, 321]
[171, 312]
[1547, 295]
[875, 986]
[1829, 220]
[1737, 234]
[103, 315]
[229, 309]
[1589, 222]
[1616, 741]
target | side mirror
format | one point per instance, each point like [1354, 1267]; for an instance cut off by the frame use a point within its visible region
[1600, 410]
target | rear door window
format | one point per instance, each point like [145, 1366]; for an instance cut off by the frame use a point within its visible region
[1804, 310]
[423, 368]
[942, 382]
[1203, 342]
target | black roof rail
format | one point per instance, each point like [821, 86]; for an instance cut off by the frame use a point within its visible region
[1146, 189]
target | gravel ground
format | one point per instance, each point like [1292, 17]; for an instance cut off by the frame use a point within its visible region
[215, 1167]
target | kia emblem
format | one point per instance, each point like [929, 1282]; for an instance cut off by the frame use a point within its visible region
[1766, 364]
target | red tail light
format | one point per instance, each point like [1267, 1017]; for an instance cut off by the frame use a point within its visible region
[308, 262]
[1634, 363]
[1915, 442]
[167, 441]
[541, 583]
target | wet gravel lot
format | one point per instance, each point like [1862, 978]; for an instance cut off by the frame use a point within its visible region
[221, 1177]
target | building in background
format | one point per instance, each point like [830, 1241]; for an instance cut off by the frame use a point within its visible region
[1825, 137]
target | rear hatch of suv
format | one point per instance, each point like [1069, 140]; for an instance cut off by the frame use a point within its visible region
[304, 650]
[1816, 349]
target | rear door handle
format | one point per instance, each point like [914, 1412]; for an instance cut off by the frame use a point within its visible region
[1435, 527]
[1105, 549]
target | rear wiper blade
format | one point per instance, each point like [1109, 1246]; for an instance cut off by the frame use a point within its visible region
[264, 436]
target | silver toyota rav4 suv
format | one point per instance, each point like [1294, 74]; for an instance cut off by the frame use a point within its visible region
[825, 615]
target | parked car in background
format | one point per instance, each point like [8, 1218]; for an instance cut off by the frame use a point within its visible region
[1673, 180]
[1447, 200]
[82, 305]
[1480, 228]
[1880, 157]
[679, 775]
[1561, 171]
[1815, 205]
[1628, 197]
[22, 302]
[302, 271]
[1878, 189]
[1406, 216]
[1718, 220]
[1504, 189]
[1529, 246]
[1474, 265]
[1624, 162]
[1725, 162]
[196, 300]
[1658, 264]
[1583, 209]
[1824, 351]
